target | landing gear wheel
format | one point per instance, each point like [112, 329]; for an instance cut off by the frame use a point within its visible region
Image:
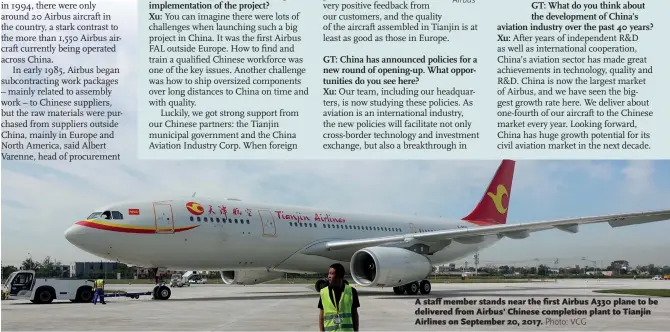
[412, 288]
[425, 287]
[399, 290]
[320, 284]
[163, 293]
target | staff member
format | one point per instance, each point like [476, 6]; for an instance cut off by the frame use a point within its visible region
[99, 287]
[338, 303]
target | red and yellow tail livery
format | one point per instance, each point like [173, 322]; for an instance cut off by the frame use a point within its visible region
[492, 208]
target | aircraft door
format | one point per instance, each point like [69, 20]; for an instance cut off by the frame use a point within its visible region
[164, 218]
[268, 223]
[412, 228]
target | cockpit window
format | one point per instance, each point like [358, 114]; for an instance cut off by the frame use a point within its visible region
[94, 215]
[106, 215]
[117, 215]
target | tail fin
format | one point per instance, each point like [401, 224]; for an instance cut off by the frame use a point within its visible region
[492, 208]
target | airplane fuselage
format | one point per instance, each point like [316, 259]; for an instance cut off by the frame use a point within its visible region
[205, 234]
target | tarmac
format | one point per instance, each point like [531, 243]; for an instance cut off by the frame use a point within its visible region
[291, 307]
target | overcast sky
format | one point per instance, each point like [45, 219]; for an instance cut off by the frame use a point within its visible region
[40, 200]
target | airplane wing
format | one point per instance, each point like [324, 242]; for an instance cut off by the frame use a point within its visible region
[514, 231]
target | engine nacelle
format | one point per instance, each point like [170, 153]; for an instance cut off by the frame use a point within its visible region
[388, 266]
[248, 277]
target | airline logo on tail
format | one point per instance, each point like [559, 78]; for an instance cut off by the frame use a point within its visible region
[195, 208]
[497, 198]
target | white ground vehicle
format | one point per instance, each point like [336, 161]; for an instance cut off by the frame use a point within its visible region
[24, 285]
[197, 279]
[658, 277]
[179, 280]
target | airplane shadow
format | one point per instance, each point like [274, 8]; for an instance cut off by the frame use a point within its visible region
[384, 294]
[387, 293]
[273, 292]
[468, 294]
[271, 295]
[248, 297]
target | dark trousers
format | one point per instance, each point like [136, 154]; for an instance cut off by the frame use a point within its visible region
[99, 293]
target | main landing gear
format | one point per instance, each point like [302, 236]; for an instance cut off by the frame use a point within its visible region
[413, 288]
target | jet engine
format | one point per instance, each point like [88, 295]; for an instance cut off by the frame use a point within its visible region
[388, 266]
[248, 277]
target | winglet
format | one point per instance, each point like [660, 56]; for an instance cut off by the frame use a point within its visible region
[492, 208]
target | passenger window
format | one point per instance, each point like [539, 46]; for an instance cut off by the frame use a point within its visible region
[116, 215]
[236, 221]
[247, 221]
[191, 218]
[324, 225]
[198, 218]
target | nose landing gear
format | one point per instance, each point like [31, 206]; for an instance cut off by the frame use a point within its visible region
[161, 291]
[413, 288]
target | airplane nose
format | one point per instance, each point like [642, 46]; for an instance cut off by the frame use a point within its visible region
[75, 234]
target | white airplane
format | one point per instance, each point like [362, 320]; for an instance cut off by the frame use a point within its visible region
[253, 243]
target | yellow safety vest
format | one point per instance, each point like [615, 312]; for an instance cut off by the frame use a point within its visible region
[98, 284]
[331, 312]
